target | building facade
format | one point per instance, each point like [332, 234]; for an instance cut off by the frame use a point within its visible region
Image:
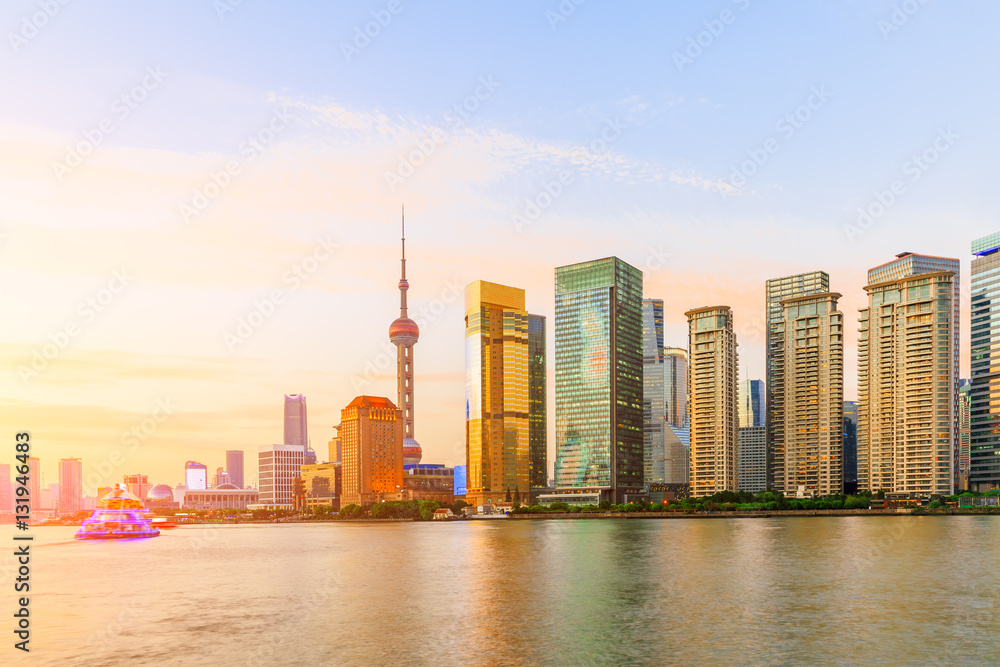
[371, 431]
[907, 376]
[497, 405]
[675, 391]
[538, 410]
[430, 481]
[751, 459]
[850, 447]
[712, 392]
[234, 466]
[776, 290]
[296, 422]
[598, 347]
[195, 476]
[811, 392]
[753, 402]
[322, 483]
[137, 485]
[278, 466]
[984, 393]
[225, 497]
[71, 485]
[664, 401]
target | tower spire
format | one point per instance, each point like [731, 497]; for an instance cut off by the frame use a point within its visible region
[403, 284]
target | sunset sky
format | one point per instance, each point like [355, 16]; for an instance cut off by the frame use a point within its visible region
[167, 169]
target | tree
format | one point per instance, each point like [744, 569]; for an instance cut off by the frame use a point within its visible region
[508, 495]
[456, 507]
[517, 495]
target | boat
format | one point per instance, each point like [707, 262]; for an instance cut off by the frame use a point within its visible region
[119, 516]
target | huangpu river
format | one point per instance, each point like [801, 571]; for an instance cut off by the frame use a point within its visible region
[777, 591]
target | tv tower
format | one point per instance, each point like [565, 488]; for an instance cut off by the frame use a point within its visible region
[403, 333]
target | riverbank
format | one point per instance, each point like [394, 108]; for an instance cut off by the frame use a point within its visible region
[762, 514]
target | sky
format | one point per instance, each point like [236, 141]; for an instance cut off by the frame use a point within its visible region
[200, 201]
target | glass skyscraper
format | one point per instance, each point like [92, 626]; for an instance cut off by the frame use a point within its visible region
[984, 394]
[538, 424]
[599, 411]
[664, 400]
[752, 403]
[296, 428]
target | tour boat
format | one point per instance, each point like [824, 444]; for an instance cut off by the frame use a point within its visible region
[119, 515]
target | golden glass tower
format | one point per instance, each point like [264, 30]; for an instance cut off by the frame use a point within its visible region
[497, 411]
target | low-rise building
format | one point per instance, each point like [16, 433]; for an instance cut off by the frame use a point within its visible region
[224, 497]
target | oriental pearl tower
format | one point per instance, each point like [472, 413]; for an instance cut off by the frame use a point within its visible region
[403, 333]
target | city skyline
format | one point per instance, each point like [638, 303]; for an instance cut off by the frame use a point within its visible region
[650, 194]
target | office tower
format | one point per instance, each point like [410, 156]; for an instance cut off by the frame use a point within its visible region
[751, 459]
[296, 424]
[664, 401]
[712, 392]
[371, 432]
[70, 485]
[777, 289]
[195, 476]
[908, 375]
[321, 483]
[752, 403]
[675, 392]
[984, 394]
[404, 333]
[334, 447]
[538, 411]
[598, 344]
[6, 490]
[461, 487]
[850, 447]
[137, 485]
[221, 477]
[675, 455]
[964, 407]
[234, 466]
[278, 466]
[496, 392]
[810, 389]
[34, 484]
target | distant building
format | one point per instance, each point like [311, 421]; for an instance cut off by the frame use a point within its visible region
[322, 485]
[221, 477]
[70, 485]
[195, 476]
[34, 484]
[225, 497]
[460, 481]
[675, 387]
[538, 424]
[712, 391]
[137, 485]
[964, 434]
[984, 348]
[296, 423]
[676, 455]
[753, 402]
[334, 447]
[234, 466]
[161, 496]
[751, 467]
[430, 481]
[277, 468]
[371, 430]
[6, 490]
[850, 447]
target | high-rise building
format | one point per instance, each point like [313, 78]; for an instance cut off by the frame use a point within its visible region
[296, 423]
[777, 289]
[752, 400]
[598, 345]
[664, 401]
[371, 431]
[278, 466]
[234, 466]
[751, 459]
[137, 485]
[850, 447]
[221, 477]
[676, 459]
[404, 333]
[6, 491]
[538, 411]
[908, 376]
[497, 401]
[964, 407]
[984, 395]
[70, 485]
[811, 392]
[712, 395]
[195, 476]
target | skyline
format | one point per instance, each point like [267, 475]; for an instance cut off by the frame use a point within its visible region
[651, 196]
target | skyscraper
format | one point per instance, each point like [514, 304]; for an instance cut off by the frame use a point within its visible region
[599, 440]
[675, 388]
[70, 485]
[751, 459]
[664, 398]
[234, 466]
[964, 407]
[371, 431]
[496, 392]
[811, 391]
[195, 476]
[296, 424]
[984, 394]
[404, 333]
[277, 468]
[777, 289]
[850, 447]
[538, 411]
[712, 393]
[907, 376]
[752, 404]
